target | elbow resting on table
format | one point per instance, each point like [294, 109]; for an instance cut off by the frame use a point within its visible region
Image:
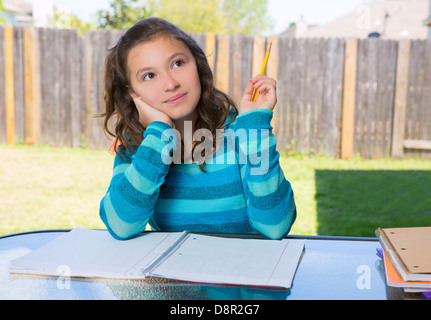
[125, 231]
[118, 228]
[277, 231]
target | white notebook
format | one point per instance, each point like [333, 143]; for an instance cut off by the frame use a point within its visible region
[172, 255]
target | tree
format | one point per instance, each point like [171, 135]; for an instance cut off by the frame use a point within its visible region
[191, 15]
[123, 14]
[248, 17]
[1, 11]
[67, 20]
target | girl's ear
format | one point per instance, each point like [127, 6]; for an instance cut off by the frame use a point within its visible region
[132, 92]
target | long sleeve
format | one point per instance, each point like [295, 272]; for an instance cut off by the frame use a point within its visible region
[270, 200]
[135, 185]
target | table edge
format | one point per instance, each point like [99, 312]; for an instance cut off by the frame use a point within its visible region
[305, 237]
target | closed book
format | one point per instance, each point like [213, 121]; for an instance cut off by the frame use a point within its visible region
[409, 251]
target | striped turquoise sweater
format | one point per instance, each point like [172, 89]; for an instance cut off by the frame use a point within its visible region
[229, 197]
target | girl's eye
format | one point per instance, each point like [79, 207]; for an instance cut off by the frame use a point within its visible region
[148, 76]
[178, 63]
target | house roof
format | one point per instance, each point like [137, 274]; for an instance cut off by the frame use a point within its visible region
[392, 19]
[20, 7]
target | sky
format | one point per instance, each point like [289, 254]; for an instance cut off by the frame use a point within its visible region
[283, 12]
[313, 11]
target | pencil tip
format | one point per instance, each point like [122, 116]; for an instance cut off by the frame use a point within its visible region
[270, 45]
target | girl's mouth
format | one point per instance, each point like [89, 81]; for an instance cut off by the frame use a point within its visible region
[176, 99]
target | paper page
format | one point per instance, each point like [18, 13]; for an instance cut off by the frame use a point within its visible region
[235, 261]
[94, 253]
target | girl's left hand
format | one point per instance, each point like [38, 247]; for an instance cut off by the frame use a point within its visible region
[266, 97]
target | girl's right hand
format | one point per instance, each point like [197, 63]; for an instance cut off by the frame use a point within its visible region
[148, 114]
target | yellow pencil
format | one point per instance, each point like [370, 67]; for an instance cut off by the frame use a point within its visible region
[262, 71]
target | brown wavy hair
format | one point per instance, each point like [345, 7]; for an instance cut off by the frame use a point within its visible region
[213, 107]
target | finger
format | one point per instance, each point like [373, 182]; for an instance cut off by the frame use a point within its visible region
[249, 89]
[259, 82]
[140, 105]
[265, 88]
[139, 102]
[248, 92]
[261, 77]
[257, 78]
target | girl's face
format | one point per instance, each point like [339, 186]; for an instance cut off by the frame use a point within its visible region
[164, 74]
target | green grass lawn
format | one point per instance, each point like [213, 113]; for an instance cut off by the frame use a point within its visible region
[43, 188]
[353, 198]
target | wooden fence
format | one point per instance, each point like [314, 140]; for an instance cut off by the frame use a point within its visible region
[337, 97]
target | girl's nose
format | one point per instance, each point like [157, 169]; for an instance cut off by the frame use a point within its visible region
[171, 83]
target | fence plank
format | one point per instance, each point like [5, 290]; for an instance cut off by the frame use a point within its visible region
[32, 89]
[49, 86]
[333, 96]
[247, 61]
[303, 107]
[75, 97]
[45, 100]
[200, 39]
[235, 73]
[387, 97]
[258, 54]
[314, 95]
[57, 82]
[288, 80]
[83, 90]
[9, 84]
[19, 84]
[2, 89]
[272, 71]
[63, 105]
[349, 99]
[282, 105]
[88, 43]
[300, 69]
[97, 87]
[222, 63]
[400, 104]
[210, 49]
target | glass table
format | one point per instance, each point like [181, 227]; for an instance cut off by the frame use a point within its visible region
[331, 268]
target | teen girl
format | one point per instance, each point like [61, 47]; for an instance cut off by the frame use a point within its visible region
[157, 78]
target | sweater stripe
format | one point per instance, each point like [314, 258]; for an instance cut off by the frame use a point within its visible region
[193, 206]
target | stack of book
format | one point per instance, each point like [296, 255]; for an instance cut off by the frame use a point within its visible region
[407, 257]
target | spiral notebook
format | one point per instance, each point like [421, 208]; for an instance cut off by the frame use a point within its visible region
[180, 256]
